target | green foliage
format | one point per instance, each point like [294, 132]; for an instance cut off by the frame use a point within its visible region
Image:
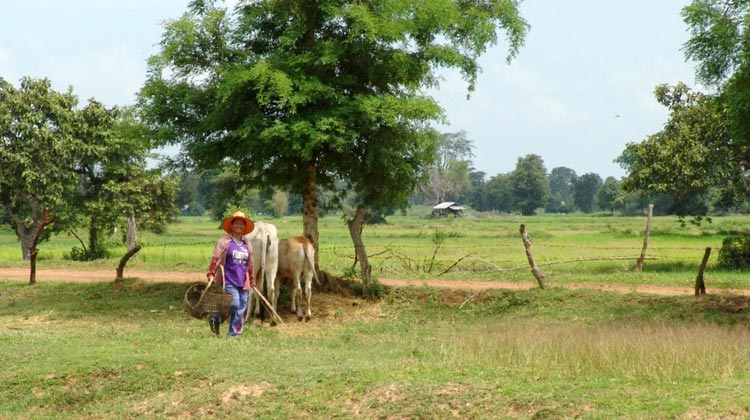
[38, 131]
[608, 194]
[693, 153]
[529, 184]
[374, 290]
[299, 95]
[735, 253]
[585, 188]
[80, 254]
[561, 182]
[497, 194]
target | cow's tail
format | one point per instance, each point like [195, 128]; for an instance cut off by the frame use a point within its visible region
[309, 260]
[263, 251]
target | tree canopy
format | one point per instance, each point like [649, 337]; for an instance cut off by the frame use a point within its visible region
[37, 135]
[86, 166]
[704, 147]
[300, 94]
[529, 184]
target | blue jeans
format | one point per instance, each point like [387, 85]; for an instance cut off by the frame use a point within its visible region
[237, 309]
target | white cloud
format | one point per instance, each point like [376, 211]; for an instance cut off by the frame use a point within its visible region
[554, 111]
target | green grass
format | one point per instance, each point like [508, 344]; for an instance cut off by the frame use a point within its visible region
[571, 248]
[75, 351]
[96, 351]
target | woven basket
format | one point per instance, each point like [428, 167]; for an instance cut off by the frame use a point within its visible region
[214, 301]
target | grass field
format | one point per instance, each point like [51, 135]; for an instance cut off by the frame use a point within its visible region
[98, 351]
[569, 248]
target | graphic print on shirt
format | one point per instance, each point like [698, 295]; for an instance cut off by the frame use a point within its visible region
[240, 256]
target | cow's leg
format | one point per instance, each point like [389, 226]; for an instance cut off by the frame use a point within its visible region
[271, 296]
[297, 294]
[256, 299]
[277, 289]
[308, 295]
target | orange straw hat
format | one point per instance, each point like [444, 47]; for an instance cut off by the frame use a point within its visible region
[227, 224]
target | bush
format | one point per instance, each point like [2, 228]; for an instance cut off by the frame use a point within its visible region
[735, 253]
[80, 254]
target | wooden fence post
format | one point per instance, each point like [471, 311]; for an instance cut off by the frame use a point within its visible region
[534, 268]
[700, 285]
[639, 263]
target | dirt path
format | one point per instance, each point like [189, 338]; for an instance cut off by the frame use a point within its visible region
[22, 274]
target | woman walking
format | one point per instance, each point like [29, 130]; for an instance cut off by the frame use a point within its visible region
[235, 255]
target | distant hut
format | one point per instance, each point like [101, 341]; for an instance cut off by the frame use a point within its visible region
[447, 208]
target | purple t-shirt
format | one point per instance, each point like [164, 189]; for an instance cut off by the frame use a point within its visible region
[236, 266]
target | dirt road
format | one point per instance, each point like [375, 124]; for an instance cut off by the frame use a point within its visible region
[22, 274]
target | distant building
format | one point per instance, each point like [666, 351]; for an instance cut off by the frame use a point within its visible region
[447, 208]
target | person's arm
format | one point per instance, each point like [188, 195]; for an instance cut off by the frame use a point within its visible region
[219, 250]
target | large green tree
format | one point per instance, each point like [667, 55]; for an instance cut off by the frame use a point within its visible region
[529, 184]
[610, 195]
[585, 188]
[37, 144]
[497, 194]
[704, 145]
[299, 94]
[114, 184]
[561, 181]
[693, 153]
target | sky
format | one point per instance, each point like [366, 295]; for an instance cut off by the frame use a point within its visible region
[579, 90]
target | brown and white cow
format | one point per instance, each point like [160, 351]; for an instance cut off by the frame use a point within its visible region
[296, 262]
[265, 243]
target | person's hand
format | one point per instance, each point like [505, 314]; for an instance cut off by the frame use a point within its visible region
[209, 276]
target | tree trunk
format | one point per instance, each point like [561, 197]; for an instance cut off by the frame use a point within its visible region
[130, 235]
[639, 263]
[33, 250]
[700, 284]
[26, 236]
[26, 232]
[310, 208]
[356, 224]
[93, 239]
[123, 261]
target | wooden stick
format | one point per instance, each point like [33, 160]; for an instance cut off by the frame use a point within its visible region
[268, 305]
[534, 268]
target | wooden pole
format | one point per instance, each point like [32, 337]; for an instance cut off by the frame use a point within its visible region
[639, 263]
[268, 305]
[534, 268]
[700, 285]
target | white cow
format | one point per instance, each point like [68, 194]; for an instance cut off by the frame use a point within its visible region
[265, 243]
[297, 261]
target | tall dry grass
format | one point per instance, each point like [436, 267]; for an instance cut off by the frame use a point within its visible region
[653, 351]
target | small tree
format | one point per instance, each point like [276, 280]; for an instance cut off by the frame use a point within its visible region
[561, 181]
[37, 148]
[584, 191]
[529, 184]
[610, 191]
[113, 181]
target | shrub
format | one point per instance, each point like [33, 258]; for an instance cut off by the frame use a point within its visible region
[735, 252]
